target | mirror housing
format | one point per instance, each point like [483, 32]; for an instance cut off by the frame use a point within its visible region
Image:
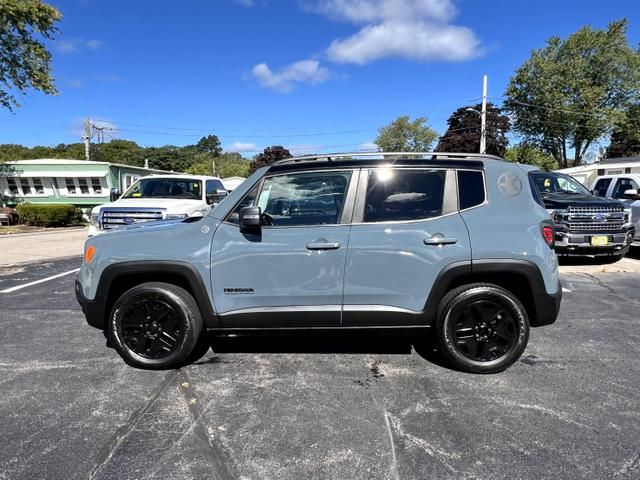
[631, 194]
[217, 196]
[250, 218]
[114, 194]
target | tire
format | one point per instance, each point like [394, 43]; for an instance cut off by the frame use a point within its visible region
[155, 326]
[481, 328]
[200, 350]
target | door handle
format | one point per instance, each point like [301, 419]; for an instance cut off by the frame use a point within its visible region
[323, 245]
[439, 239]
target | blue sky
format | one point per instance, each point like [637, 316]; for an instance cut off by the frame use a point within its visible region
[313, 75]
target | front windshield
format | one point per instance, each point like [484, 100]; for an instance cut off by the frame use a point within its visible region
[166, 188]
[552, 182]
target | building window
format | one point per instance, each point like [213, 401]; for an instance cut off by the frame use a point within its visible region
[128, 179]
[38, 185]
[71, 186]
[96, 185]
[84, 186]
[13, 186]
[26, 186]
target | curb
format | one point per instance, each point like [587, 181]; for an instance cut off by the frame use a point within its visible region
[43, 232]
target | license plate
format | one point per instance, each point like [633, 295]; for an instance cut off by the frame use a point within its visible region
[600, 240]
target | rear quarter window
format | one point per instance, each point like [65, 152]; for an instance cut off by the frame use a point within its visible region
[470, 189]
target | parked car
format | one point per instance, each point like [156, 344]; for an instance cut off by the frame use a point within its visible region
[584, 223]
[158, 197]
[453, 244]
[624, 188]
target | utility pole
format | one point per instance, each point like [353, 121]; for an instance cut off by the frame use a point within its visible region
[87, 138]
[483, 117]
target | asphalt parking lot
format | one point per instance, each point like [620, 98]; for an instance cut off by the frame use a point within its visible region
[320, 407]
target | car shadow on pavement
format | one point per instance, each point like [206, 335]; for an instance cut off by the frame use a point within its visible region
[423, 345]
[583, 260]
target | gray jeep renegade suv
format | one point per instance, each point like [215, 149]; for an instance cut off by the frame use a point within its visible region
[456, 244]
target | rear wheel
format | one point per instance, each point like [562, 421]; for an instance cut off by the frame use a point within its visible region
[482, 328]
[155, 326]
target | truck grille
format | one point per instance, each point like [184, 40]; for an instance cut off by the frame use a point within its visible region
[121, 217]
[597, 219]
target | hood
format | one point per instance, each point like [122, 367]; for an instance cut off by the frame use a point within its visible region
[159, 225]
[560, 201]
[177, 205]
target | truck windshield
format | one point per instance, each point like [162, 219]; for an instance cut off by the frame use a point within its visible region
[166, 188]
[552, 182]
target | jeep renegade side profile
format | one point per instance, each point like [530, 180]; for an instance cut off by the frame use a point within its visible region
[458, 244]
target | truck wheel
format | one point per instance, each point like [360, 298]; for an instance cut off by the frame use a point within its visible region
[155, 326]
[481, 328]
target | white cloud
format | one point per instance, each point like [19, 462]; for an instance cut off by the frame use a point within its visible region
[242, 147]
[369, 146]
[410, 29]
[304, 71]
[368, 11]
[410, 40]
[75, 45]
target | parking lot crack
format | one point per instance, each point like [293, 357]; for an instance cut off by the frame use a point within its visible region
[210, 447]
[629, 466]
[109, 449]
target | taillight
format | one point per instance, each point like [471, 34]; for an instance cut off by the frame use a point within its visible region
[548, 234]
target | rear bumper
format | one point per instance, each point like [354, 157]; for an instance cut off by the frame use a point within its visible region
[93, 309]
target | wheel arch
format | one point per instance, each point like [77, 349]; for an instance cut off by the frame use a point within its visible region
[119, 277]
[520, 277]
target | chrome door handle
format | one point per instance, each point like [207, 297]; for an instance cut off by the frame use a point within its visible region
[323, 245]
[440, 240]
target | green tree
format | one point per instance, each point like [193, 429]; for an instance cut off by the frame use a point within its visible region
[463, 133]
[571, 92]
[209, 144]
[530, 154]
[25, 63]
[268, 156]
[625, 138]
[404, 135]
[116, 151]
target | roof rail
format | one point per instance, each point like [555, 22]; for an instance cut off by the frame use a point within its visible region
[411, 155]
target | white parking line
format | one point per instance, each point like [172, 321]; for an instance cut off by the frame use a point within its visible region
[566, 290]
[20, 287]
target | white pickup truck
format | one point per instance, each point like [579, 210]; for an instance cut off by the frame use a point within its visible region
[159, 197]
[623, 187]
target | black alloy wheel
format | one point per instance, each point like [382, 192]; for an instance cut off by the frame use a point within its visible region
[481, 328]
[157, 326]
[484, 331]
[151, 328]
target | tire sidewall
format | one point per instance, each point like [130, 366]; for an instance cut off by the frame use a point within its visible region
[461, 301]
[186, 342]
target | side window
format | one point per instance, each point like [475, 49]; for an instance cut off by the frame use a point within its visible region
[213, 186]
[601, 187]
[470, 188]
[248, 201]
[303, 198]
[394, 195]
[622, 186]
[215, 192]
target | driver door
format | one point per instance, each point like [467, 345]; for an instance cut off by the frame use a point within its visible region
[291, 272]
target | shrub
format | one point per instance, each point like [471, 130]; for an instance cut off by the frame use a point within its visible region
[47, 215]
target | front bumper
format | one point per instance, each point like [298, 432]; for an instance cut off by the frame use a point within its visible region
[93, 309]
[580, 243]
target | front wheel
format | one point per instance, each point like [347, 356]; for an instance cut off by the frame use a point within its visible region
[155, 326]
[481, 328]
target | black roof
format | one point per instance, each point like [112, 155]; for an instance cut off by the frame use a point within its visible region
[401, 159]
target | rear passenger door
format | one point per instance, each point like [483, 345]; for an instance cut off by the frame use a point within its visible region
[406, 230]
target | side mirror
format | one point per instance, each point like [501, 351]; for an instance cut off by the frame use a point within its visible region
[250, 218]
[631, 194]
[216, 197]
[114, 194]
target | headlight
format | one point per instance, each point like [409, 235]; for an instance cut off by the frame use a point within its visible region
[557, 215]
[95, 219]
[176, 216]
[628, 215]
